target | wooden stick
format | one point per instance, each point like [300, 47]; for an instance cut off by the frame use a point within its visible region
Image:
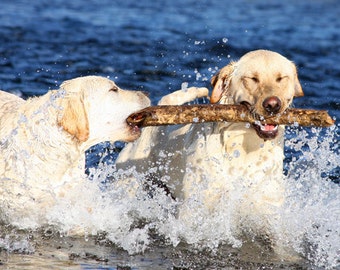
[185, 114]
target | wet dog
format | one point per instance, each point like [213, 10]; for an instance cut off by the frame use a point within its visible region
[43, 139]
[213, 163]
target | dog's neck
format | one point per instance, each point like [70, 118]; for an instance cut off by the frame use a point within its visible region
[38, 141]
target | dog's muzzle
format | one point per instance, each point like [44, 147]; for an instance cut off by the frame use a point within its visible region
[271, 105]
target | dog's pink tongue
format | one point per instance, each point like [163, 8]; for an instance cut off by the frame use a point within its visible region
[269, 127]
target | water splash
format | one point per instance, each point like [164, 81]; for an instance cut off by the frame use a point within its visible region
[312, 211]
[130, 216]
[307, 223]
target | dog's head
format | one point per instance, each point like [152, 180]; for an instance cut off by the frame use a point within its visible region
[94, 109]
[264, 81]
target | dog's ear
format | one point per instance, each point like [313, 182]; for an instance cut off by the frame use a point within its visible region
[220, 82]
[74, 117]
[297, 86]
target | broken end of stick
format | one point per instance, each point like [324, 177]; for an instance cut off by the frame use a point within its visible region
[308, 117]
[322, 119]
[329, 121]
[137, 118]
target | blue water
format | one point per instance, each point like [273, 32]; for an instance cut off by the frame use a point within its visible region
[155, 46]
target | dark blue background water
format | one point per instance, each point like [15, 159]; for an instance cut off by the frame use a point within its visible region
[157, 45]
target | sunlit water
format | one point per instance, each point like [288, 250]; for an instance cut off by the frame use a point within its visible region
[157, 47]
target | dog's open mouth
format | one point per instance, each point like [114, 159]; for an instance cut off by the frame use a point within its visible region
[136, 124]
[263, 130]
[134, 129]
[134, 132]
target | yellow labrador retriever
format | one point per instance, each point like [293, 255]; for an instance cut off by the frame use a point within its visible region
[209, 163]
[43, 140]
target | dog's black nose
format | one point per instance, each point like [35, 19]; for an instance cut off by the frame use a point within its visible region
[272, 104]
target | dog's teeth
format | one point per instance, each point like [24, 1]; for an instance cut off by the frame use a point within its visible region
[268, 127]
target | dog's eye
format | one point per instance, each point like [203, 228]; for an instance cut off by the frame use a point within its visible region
[114, 89]
[280, 78]
[251, 79]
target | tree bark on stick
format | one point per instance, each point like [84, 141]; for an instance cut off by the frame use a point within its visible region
[185, 114]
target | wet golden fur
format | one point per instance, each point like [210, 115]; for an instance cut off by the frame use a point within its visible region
[43, 140]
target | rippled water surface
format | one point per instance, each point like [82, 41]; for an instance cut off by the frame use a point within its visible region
[155, 46]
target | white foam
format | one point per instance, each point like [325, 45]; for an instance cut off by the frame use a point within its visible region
[308, 222]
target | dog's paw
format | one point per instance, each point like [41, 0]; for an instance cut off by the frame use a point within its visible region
[184, 95]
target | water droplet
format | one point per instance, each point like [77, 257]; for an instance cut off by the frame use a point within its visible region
[184, 86]
[236, 153]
